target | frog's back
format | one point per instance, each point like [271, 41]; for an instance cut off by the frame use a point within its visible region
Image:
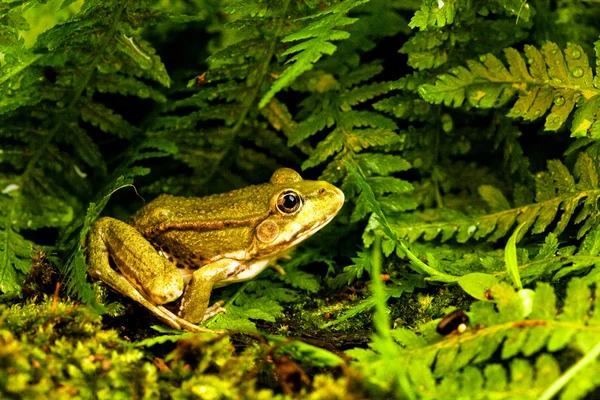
[240, 207]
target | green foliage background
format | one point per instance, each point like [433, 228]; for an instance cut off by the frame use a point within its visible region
[463, 133]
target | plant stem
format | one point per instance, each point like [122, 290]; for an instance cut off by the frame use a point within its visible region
[570, 373]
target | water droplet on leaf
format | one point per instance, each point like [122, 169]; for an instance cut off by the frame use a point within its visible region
[559, 101]
[577, 72]
[482, 58]
[576, 54]
[537, 113]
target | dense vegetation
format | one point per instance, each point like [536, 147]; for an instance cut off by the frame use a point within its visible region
[463, 134]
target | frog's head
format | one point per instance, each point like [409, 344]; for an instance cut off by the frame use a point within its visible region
[298, 208]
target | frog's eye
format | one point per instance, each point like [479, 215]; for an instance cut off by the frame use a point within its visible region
[289, 202]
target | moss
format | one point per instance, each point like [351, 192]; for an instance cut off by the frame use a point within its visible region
[59, 350]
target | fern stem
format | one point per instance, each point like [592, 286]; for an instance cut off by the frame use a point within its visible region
[426, 269]
[562, 259]
[20, 68]
[264, 69]
[104, 43]
[380, 319]
[490, 332]
[418, 265]
[570, 373]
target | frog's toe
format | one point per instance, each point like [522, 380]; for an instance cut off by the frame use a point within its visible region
[213, 310]
[182, 323]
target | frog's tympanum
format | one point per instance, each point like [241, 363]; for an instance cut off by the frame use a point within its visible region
[178, 248]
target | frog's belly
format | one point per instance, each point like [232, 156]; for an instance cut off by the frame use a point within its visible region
[237, 271]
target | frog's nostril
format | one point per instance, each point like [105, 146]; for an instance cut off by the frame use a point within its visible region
[321, 192]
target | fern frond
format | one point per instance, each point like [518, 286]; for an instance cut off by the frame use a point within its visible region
[514, 332]
[507, 330]
[555, 81]
[47, 94]
[15, 250]
[317, 37]
[361, 136]
[556, 194]
[522, 378]
[434, 14]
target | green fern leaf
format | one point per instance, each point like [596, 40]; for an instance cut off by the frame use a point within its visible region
[332, 144]
[493, 197]
[15, 251]
[381, 164]
[556, 81]
[128, 86]
[317, 37]
[556, 194]
[363, 94]
[310, 126]
[106, 119]
[144, 55]
[507, 328]
[425, 50]
[434, 14]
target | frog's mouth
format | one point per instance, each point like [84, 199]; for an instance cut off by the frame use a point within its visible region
[301, 236]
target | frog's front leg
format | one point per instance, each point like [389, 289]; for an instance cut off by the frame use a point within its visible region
[145, 276]
[194, 305]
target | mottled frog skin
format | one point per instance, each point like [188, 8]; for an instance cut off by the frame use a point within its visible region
[176, 249]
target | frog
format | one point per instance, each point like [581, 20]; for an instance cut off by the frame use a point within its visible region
[175, 250]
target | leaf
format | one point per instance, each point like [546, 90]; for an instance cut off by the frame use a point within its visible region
[549, 247]
[477, 284]
[381, 164]
[305, 352]
[434, 15]
[556, 194]
[493, 197]
[510, 258]
[15, 251]
[317, 37]
[554, 80]
[144, 55]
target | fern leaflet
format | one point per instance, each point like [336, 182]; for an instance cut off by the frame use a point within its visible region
[554, 80]
[509, 328]
[556, 192]
[317, 37]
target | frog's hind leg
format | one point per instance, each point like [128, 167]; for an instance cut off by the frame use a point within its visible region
[98, 258]
[122, 285]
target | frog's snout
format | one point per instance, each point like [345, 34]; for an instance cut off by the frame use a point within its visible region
[339, 195]
[335, 197]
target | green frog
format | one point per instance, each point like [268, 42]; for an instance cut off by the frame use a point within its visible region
[177, 249]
